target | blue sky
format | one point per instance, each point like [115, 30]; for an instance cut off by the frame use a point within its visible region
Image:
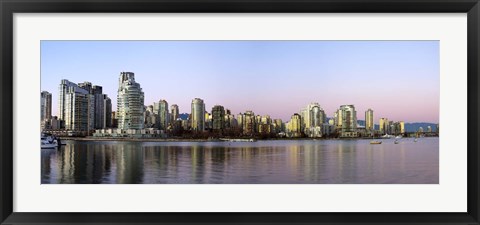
[399, 80]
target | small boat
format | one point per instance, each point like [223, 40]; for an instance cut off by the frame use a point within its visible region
[238, 140]
[387, 136]
[396, 142]
[398, 136]
[415, 140]
[375, 142]
[47, 143]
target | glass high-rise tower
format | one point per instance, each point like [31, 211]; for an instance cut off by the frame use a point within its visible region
[130, 102]
[198, 115]
[369, 120]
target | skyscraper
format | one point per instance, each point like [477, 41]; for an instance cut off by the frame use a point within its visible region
[313, 118]
[130, 102]
[175, 113]
[45, 108]
[294, 126]
[198, 115]
[79, 111]
[65, 88]
[99, 99]
[218, 118]
[163, 114]
[369, 126]
[383, 125]
[249, 123]
[45, 105]
[76, 106]
[349, 120]
[107, 111]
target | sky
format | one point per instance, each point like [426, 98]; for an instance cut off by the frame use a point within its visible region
[399, 80]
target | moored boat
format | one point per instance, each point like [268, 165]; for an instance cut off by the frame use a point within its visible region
[48, 142]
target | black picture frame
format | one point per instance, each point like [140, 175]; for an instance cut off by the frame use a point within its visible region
[9, 7]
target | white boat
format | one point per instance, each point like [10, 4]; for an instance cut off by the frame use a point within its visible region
[48, 142]
[387, 136]
[398, 136]
[238, 140]
[396, 142]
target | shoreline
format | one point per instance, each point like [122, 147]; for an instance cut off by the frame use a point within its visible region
[205, 140]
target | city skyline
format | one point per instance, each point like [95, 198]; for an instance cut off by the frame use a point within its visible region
[401, 94]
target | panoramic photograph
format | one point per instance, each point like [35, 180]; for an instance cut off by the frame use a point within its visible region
[239, 112]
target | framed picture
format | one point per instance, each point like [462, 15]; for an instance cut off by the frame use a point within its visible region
[257, 112]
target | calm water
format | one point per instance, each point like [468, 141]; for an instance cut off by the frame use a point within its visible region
[261, 162]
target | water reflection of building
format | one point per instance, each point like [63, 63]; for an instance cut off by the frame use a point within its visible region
[130, 163]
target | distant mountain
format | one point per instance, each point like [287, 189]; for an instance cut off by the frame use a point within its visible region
[409, 127]
[412, 127]
[183, 116]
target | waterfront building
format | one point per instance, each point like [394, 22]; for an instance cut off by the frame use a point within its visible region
[294, 127]
[265, 126]
[163, 115]
[229, 120]
[383, 125]
[313, 117]
[83, 106]
[45, 105]
[369, 126]
[402, 127]
[45, 108]
[130, 102]
[278, 125]
[185, 124]
[258, 120]
[156, 107]
[55, 123]
[198, 115]
[338, 120]
[420, 130]
[348, 117]
[208, 121]
[218, 118]
[107, 112]
[76, 106]
[66, 87]
[86, 86]
[151, 120]
[79, 112]
[99, 108]
[240, 119]
[391, 127]
[114, 123]
[429, 129]
[249, 123]
[175, 112]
